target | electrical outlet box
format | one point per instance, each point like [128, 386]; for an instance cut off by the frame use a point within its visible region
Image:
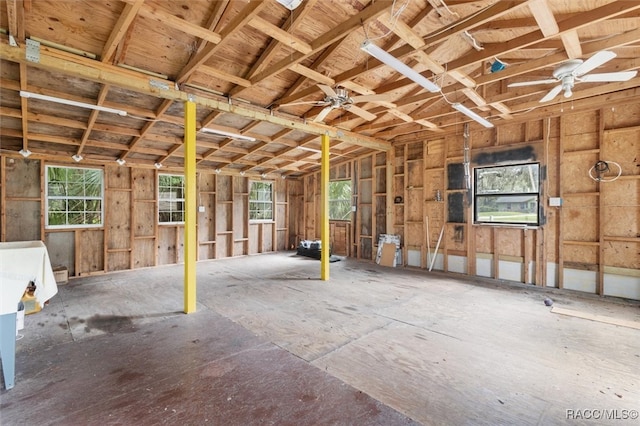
[353, 208]
[555, 201]
[201, 209]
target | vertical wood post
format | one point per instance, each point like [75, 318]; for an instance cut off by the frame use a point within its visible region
[190, 243]
[324, 209]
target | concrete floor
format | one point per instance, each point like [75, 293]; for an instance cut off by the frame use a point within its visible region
[272, 344]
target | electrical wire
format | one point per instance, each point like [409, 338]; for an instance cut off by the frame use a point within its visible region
[602, 167]
[395, 15]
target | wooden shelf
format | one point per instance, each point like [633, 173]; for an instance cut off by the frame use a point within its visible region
[224, 232]
[434, 169]
[202, 243]
[145, 237]
[122, 250]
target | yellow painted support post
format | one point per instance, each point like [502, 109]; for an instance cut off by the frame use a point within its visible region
[190, 243]
[324, 210]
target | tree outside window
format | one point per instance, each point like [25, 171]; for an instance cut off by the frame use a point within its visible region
[340, 200]
[507, 194]
[170, 198]
[261, 201]
[74, 197]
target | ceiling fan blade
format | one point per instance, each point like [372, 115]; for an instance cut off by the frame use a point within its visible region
[552, 93]
[593, 62]
[532, 83]
[609, 76]
[328, 90]
[323, 114]
[371, 98]
[361, 112]
[316, 103]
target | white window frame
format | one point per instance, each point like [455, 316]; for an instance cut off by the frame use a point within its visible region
[263, 202]
[68, 198]
[171, 200]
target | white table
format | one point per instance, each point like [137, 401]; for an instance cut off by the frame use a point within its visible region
[20, 263]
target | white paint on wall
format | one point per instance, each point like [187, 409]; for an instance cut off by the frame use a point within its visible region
[510, 271]
[457, 264]
[484, 267]
[413, 258]
[552, 275]
[438, 265]
[622, 286]
[575, 279]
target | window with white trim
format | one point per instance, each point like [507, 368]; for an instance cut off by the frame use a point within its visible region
[260, 201]
[170, 199]
[74, 197]
[340, 200]
[507, 194]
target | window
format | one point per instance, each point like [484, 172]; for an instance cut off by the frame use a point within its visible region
[507, 194]
[261, 201]
[170, 198]
[340, 200]
[74, 197]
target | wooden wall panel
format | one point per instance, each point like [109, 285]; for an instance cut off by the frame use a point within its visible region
[117, 177]
[62, 250]
[580, 219]
[622, 254]
[145, 219]
[118, 261]
[483, 239]
[90, 251]
[575, 172]
[143, 253]
[580, 256]
[166, 245]
[511, 133]
[144, 184]
[23, 219]
[509, 242]
[118, 213]
[22, 178]
[622, 202]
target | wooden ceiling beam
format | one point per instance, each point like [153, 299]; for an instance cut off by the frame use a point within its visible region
[240, 20]
[120, 29]
[287, 39]
[68, 64]
[269, 52]
[338, 32]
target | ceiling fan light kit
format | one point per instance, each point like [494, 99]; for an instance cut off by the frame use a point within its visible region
[574, 71]
[399, 66]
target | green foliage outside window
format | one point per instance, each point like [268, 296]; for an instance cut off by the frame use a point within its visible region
[261, 201]
[507, 194]
[340, 200]
[74, 197]
[170, 198]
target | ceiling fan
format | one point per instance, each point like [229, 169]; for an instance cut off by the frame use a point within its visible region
[575, 71]
[339, 98]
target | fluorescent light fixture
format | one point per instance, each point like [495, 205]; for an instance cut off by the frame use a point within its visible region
[77, 158]
[304, 148]
[466, 111]
[290, 4]
[228, 134]
[25, 153]
[157, 165]
[121, 161]
[399, 66]
[72, 103]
